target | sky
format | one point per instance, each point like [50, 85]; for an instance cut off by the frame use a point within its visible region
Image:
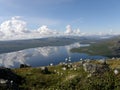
[88, 15]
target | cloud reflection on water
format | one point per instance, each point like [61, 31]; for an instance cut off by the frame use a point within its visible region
[21, 57]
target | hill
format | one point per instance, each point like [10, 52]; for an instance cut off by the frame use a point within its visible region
[107, 47]
[75, 77]
[16, 45]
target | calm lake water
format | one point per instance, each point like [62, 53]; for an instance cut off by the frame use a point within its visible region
[43, 56]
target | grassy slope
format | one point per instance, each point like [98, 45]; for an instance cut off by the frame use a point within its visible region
[69, 79]
[105, 48]
[36, 80]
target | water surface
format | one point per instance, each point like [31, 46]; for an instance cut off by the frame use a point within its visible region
[43, 56]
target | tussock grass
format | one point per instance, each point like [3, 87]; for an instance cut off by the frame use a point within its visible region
[70, 79]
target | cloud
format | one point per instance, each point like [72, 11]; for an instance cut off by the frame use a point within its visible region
[69, 31]
[77, 31]
[15, 28]
[44, 30]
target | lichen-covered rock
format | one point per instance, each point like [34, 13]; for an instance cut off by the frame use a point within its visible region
[88, 67]
[96, 68]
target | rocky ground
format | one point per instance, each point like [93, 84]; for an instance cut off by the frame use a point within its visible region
[82, 75]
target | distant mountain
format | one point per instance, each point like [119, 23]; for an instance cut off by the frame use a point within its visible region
[16, 45]
[109, 47]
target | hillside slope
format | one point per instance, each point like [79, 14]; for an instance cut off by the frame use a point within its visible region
[72, 78]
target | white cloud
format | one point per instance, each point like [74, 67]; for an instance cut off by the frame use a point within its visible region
[15, 28]
[77, 31]
[44, 30]
[68, 30]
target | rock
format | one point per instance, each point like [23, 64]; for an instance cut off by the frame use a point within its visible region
[51, 64]
[116, 72]
[102, 61]
[64, 68]
[74, 69]
[88, 67]
[55, 71]
[24, 66]
[3, 81]
[9, 79]
[96, 68]
[69, 66]
[45, 70]
[89, 75]
[83, 61]
[113, 58]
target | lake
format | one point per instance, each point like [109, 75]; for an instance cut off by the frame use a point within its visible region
[43, 56]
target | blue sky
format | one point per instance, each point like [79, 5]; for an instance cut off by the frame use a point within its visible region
[88, 15]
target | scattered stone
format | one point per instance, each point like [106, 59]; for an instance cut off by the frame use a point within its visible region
[90, 68]
[88, 60]
[75, 66]
[81, 59]
[69, 66]
[24, 66]
[45, 70]
[51, 64]
[3, 81]
[58, 73]
[116, 71]
[64, 68]
[103, 61]
[96, 68]
[61, 73]
[89, 75]
[113, 58]
[55, 71]
[75, 69]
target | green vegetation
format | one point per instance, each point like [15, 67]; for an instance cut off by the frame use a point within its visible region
[104, 48]
[57, 79]
[70, 79]
[75, 77]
